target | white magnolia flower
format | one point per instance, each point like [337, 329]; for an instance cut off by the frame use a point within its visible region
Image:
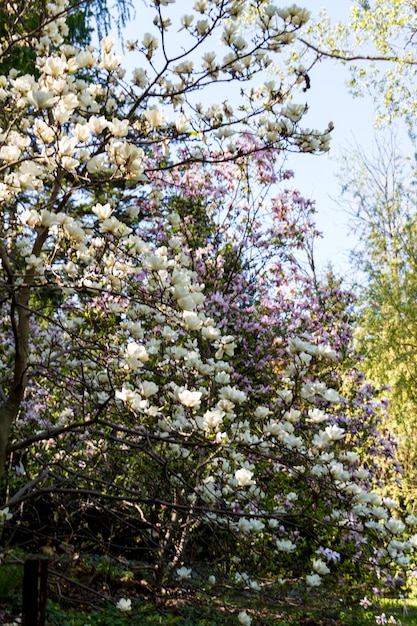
[43, 131]
[81, 132]
[96, 164]
[232, 394]
[174, 219]
[211, 333]
[103, 211]
[97, 124]
[184, 573]
[202, 26]
[295, 345]
[293, 111]
[33, 261]
[54, 66]
[200, 6]
[350, 457]
[85, 58]
[395, 526]
[244, 477]
[42, 99]
[5, 515]
[313, 580]
[191, 320]
[329, 434]
[148, 388]
[107, 43]
[189, 398]
[126, 155]
[390, 503]
[186, 21]
[9, 153]
[320, 567]
[182, 123]
[293, 415]
[139, 77]
[155, 117]
[285, 545]
[303, 358]
[379, 512]
[125, 395]
[185, 67]
[150, 42]
[109, 61]
[317, 415]
[334, 433]
[124, 605]
[226, 345]
[244, 618]
[119, 128]
[326, 352]
[136, 355]
[261, 412]
[212, 419]
[31, 217]
[331, 395]
[70, 164]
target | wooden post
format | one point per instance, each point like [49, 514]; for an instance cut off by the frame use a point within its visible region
[35, 578]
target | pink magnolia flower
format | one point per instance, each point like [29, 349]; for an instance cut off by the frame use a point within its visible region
[365, 602]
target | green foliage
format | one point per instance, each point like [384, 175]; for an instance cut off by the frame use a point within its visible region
[64, 617]
[21, 57]
[11, 577]
[25, 18]
[382, 201]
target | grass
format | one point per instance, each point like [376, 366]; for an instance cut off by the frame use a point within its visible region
[197, 611]
[404, 612]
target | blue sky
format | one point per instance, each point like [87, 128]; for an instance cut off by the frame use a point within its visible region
[316, 176]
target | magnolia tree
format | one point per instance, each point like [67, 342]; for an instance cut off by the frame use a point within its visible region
[304, 440]
[166, 360]
[77, 129]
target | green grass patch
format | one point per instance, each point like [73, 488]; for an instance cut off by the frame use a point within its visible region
[195, 612]
[404, 611]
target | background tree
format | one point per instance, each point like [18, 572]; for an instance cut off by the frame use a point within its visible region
[381, 197]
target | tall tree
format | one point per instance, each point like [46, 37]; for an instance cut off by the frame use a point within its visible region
[65, 135]
[381, 197]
